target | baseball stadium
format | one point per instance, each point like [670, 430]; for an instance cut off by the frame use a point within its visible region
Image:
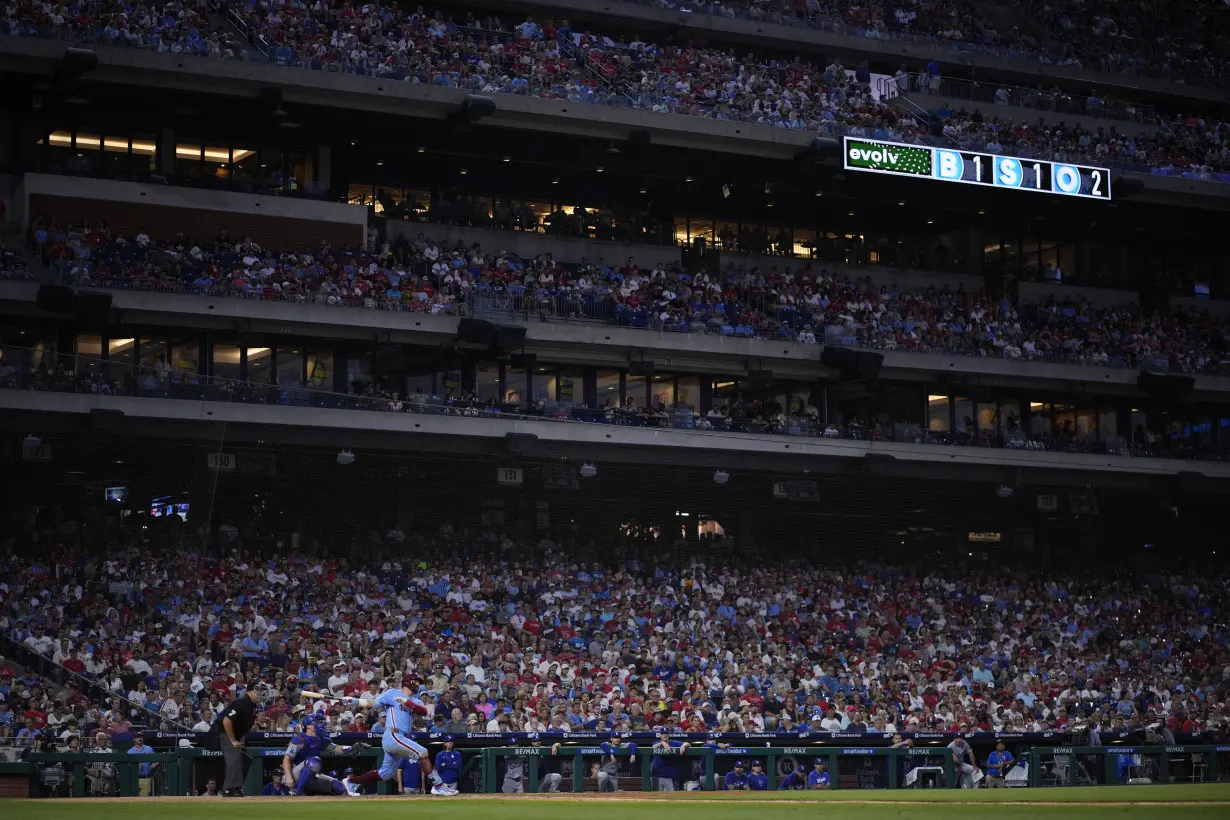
[614, 408]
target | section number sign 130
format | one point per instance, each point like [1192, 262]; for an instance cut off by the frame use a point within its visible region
[976, 168]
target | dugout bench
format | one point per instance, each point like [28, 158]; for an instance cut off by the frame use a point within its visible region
[1125, 765]
[896, 763]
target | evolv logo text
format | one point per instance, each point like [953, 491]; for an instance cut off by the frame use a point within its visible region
[874, 155]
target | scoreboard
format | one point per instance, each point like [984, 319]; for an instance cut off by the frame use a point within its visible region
[976, 168]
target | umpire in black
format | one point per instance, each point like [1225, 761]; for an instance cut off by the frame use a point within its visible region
[227, 735]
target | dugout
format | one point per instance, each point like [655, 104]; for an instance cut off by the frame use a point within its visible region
[850, 767]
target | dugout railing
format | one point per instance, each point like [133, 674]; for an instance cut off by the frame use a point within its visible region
[185, 771]
[103, 774]
[709, 765]
[869, 767]
[1127, 765]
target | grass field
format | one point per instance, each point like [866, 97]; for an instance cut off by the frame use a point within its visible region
[1129, 802]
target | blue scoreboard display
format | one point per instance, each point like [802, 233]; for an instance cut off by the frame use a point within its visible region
[976, 168]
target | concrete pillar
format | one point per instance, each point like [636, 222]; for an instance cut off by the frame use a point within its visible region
[323, 172]
[590, 388]
[975, 238]
[706, 393]
[10, 133]
[166, 151]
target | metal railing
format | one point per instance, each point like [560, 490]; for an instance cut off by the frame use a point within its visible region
[566, 767]
[594, 69]
[775, 322]
[241, 27]
[43, 370]
[949, 88]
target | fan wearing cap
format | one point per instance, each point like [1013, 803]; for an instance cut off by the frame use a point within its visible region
[737, 780]
[399, 706]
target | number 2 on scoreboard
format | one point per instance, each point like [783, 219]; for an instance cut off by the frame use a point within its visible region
[1097, 183]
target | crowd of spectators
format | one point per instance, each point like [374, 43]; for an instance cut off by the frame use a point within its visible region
[551, 59]
[1181, 42]
[807, 304]
[524, 638]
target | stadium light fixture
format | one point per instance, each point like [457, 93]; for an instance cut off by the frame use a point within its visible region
[721, 477]
[588, 470]
[345, 458]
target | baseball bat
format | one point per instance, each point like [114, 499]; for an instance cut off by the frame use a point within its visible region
[318, 696]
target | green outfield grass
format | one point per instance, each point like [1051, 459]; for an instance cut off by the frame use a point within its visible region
[1200, 802]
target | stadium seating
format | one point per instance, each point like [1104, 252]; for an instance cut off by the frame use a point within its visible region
[553, 60]
[565, 646]
[808, 306]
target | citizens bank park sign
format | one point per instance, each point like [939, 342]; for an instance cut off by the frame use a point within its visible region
[976, 168]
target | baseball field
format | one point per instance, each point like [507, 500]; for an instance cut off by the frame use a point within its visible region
[1196, 802]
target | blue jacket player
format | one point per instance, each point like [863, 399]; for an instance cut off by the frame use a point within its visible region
[818, 777]
[757, 781]
[608, 767]
[795, 781]
[274, 787]
[664, 768]
[448, 764]
[737, 779]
